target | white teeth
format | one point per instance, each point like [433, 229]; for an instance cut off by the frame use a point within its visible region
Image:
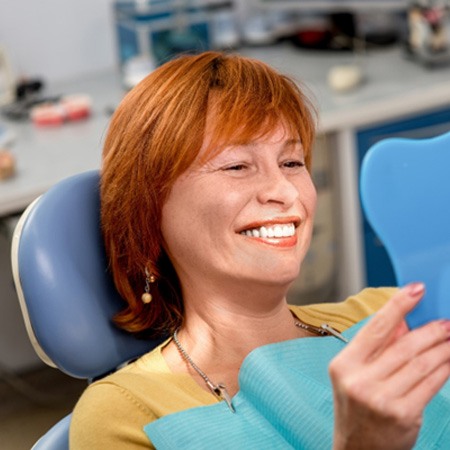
[263, 232]
[277, 231]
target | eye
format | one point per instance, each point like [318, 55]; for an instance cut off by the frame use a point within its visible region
[293, 164]
[236, 167]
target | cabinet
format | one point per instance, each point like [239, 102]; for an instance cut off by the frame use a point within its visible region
[378, 268]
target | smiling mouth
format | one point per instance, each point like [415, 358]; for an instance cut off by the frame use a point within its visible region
[272, 231]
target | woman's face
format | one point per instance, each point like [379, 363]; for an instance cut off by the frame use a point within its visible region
[244, 216]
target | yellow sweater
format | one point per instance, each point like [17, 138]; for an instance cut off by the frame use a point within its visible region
[112, 412]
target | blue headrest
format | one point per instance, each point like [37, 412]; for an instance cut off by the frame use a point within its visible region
[67, 294]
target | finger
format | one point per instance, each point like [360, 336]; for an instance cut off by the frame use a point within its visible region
[418, 398]
[412, 345]
[380, 329]
[417, 371]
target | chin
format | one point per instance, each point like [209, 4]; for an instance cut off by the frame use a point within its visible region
[281, 278]
[270, 269]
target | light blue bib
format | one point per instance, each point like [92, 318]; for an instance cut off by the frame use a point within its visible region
[285, 402]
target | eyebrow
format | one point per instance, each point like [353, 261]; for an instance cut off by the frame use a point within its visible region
[293, 142]
[286, 143]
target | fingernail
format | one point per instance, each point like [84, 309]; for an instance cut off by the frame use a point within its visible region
[446, 325]
[415, 289]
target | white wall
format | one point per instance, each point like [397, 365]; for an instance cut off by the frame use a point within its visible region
[58, 39]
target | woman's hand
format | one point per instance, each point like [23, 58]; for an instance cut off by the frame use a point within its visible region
[386, 376]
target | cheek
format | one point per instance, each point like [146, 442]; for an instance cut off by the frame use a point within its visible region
[308, 195]
[194, 219]
[312, 200]
[173, 220]
[214, 214]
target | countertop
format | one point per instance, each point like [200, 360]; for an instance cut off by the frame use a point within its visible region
[394, 85]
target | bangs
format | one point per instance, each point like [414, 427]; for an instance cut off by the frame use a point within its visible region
[245, 105]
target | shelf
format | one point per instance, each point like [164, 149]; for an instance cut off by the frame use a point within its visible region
[335, 6]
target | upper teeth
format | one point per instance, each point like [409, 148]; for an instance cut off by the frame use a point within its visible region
[272, 231]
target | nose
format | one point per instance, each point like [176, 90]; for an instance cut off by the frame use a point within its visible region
[276, 188]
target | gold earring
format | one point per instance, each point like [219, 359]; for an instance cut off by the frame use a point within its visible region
[146, 296]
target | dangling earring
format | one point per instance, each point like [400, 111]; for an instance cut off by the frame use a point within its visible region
[149, 278]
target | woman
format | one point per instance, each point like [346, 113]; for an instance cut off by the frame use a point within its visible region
[207, 214]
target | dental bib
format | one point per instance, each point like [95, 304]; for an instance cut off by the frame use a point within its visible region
[285, 402]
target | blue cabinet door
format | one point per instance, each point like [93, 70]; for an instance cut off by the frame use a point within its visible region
[379, 271]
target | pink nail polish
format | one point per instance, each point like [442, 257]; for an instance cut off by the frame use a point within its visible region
[415, 289]
[446, 325]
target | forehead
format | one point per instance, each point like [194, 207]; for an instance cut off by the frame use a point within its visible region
[214, 144]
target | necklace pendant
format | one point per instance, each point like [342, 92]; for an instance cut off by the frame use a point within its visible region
[220, 391]
[323, 330]
[334, 332]
[224, 395]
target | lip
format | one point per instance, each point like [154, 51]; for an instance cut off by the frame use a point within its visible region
[281, 242]
[285, 242]
[268, 223]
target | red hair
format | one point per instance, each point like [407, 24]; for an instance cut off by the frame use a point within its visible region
[155, 135]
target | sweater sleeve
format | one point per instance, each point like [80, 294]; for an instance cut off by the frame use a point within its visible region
[108, 416]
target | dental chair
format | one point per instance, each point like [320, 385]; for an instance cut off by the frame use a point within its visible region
[66, 293]
[405, 193]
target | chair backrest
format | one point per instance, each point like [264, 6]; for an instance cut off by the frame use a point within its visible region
[65, 290]
[405, 192]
